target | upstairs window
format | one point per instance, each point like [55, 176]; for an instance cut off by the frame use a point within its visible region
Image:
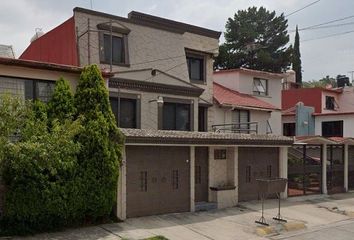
[176, 116]
[196, 68]
[260, 87]
[240, 119]
[330, 103]
[126, 111]
[117, 49]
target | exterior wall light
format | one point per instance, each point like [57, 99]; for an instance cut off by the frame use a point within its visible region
[159, 100]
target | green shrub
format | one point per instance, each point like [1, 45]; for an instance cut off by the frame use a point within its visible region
[101, 144]
[61, 106]
[39, 172]
[63, 167]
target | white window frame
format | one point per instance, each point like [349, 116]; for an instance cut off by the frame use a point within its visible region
[260, 87]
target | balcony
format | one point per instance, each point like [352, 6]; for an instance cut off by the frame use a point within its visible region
[247, 128]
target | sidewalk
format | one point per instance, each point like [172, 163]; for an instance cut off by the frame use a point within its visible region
[317, 212]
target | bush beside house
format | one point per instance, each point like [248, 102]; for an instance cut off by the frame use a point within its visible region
[59, 161]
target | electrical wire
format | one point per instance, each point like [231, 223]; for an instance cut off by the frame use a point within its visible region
[325, 23]
[309, 5]
[323, 27]
[328, 36]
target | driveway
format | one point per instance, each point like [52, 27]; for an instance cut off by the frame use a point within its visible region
[317, 212]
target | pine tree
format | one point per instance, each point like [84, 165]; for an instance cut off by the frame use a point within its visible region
[255, 38]
[296, 59]
[101, 143]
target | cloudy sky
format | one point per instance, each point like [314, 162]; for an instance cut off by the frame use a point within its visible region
[321, 55]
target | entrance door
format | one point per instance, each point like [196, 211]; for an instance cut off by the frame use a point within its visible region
[201, 174]
[254, 163]
[158, 180]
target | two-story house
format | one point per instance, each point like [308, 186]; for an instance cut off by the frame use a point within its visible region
[318, 111]
[162, 95]
[264, 86]
[321, 120]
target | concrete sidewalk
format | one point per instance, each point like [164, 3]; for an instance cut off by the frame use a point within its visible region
[316, 212]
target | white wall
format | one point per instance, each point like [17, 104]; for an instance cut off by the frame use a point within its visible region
[348, 123]
[243, 83]
[223, 116]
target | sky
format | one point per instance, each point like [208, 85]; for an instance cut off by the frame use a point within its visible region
[320, 57]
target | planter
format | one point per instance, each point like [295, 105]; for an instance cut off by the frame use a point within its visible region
[224, 196]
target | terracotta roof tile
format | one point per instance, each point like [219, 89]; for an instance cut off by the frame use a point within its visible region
[226, 96]
[204, 138]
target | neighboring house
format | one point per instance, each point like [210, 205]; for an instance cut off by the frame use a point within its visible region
[240, 112]
[31, 80]
[6, 51]
[34, 80]
[162, 96]
[264, 86]
[323, 154]
[318, 111]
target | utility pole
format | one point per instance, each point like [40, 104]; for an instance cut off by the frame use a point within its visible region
[352, 73]
[88, 41]
[111, 35]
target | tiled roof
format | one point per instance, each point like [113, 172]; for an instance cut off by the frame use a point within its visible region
[147, 136]
[226, 96]
[6, 51]
[313, 140]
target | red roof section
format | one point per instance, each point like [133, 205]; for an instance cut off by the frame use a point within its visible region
[309, 96]
[224, 95]
[56, 46]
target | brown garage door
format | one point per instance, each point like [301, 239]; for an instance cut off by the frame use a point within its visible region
[201, 174]
[254, 163]
[157, 180]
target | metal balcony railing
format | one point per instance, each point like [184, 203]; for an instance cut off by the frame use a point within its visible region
[248, 127]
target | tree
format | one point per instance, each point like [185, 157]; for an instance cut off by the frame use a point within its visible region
[61, 105]
[296, 58]
[322, 83]
[255, 38]
[101, 143]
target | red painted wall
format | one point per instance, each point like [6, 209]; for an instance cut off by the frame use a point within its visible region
[57, 46]
[309, 96]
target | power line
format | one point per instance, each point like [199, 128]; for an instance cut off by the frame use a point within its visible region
[325, 23]
[302, 8]
[323, 27]
[328, 36]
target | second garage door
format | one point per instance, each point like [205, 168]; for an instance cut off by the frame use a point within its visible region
[254, 163]
[158, 180]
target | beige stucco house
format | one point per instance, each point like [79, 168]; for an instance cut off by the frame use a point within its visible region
[162, 95]
[264, 86]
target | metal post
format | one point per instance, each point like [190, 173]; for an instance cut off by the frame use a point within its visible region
[279, 217]
[304, 169]
[346, 168]
[324, 168]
